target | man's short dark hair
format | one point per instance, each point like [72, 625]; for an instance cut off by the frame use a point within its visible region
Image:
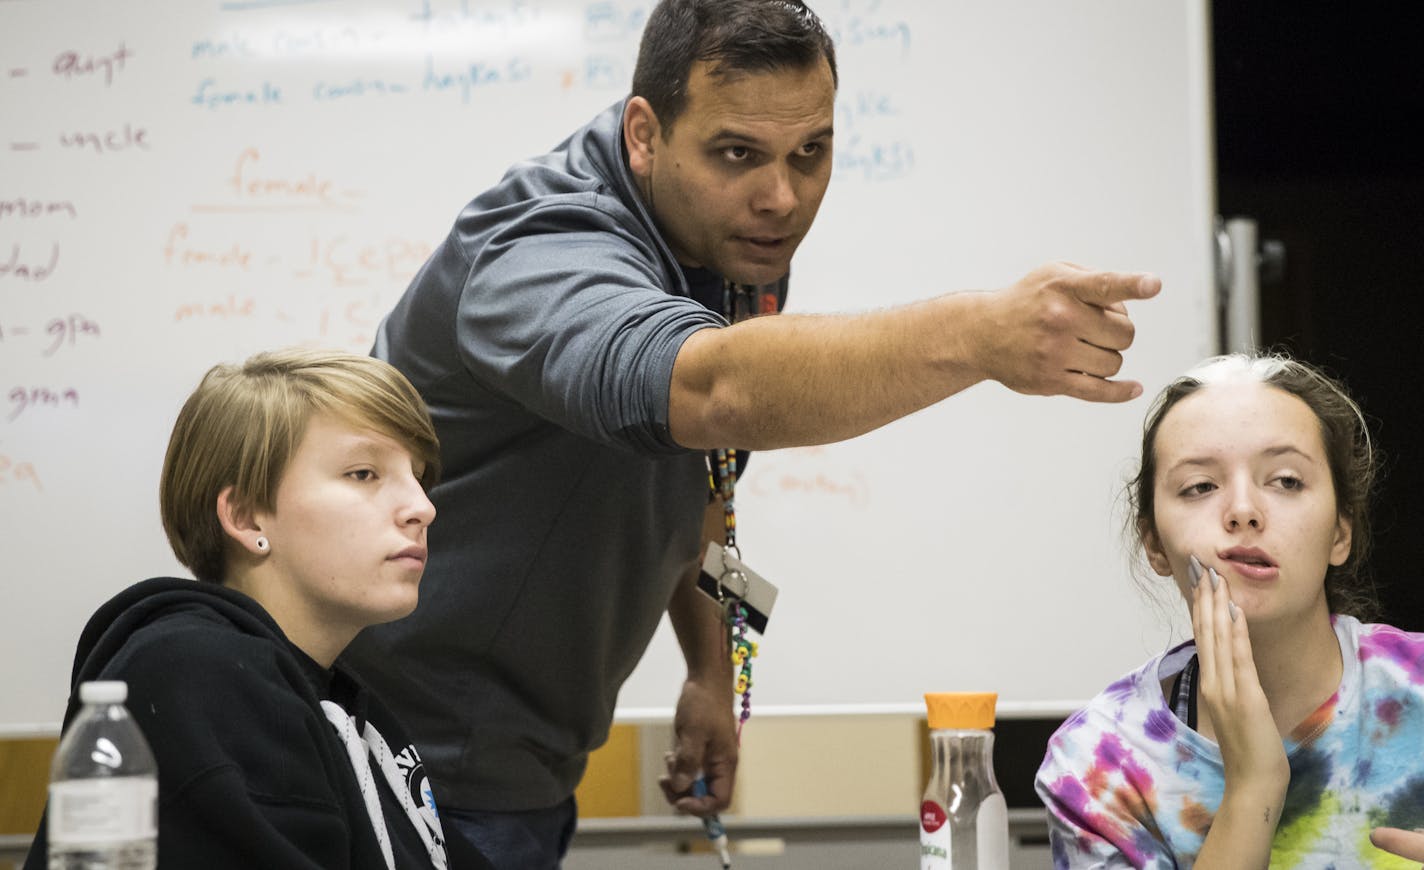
[735, 36]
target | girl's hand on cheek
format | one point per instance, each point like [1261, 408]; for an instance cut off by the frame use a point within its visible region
[1230, 691]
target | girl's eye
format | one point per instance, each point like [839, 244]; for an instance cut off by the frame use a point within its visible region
[1289, 482]
[362, 474]
[1199, 488]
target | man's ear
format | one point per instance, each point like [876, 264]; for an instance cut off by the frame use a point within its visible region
[641, 134]
[1152, 546]
[240, 523]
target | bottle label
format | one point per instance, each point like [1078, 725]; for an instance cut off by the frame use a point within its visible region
[935, 850]
[86, 812]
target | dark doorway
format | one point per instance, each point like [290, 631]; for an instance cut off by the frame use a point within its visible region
[1314, 104]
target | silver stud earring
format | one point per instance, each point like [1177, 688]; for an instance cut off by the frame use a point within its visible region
[262, 544]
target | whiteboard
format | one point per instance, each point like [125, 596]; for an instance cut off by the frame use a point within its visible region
[188, 182]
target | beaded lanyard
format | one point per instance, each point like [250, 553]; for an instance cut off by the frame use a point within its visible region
[722, 481]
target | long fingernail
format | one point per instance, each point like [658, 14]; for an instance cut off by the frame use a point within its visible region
[1194, 570]
[1231, 609]
[1215, 578]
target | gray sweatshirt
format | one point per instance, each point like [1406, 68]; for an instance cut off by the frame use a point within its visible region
[542, 334]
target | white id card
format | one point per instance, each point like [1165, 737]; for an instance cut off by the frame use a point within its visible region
[725, 577]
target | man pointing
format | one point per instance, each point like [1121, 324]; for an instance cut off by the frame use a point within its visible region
[583, 336]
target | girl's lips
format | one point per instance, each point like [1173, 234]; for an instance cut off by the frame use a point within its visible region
[1247, 554]
[1253, 570]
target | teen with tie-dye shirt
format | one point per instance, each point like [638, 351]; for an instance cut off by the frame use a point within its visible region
[1288, 731]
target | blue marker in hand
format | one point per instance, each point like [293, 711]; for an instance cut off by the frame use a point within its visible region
[713, 826]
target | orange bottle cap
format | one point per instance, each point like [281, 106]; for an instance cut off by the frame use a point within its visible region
[961, 709]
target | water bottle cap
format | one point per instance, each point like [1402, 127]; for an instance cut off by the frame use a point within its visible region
[961, 709]
[103, 692]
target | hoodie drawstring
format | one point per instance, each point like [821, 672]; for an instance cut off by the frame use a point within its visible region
[358, 746]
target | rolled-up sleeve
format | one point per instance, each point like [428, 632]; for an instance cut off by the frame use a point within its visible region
[565, 312]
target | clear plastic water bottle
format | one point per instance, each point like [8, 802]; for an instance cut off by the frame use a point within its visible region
[964, 822]
[103, 788]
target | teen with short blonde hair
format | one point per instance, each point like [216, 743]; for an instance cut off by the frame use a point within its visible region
[243, 423]
[295, 484]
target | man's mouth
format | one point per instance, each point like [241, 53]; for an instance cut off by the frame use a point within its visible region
[763, 241]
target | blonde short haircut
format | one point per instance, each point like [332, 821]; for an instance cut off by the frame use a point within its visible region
[242, 424]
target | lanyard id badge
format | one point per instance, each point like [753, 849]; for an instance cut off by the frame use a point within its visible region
[727, 579]
[743, 593]
[746, 598]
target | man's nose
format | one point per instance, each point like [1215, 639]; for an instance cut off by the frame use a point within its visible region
[776, 192]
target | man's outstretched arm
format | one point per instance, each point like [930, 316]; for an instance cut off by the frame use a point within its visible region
[793, 380]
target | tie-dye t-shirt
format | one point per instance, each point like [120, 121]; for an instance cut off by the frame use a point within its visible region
[1127, 784]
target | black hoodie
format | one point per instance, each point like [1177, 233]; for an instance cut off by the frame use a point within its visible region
[250, 771]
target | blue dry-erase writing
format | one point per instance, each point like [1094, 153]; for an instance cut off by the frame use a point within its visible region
[713, 826]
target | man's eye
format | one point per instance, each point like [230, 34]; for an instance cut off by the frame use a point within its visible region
[811, 149]
[737, 153]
